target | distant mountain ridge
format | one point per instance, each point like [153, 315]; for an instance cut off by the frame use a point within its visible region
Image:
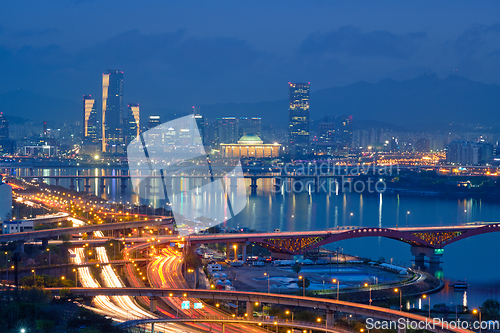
[425, 101]
[32, 106]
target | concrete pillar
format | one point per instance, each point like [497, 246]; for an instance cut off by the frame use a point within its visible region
[278, 182]
[223, 328]
[140, 230]
[244, 253]
[228, 251]
[421, 251]
[233, 182]
[402, 330]
[249, 310]
[124, 180]
[102, 185]
[57, 181]
[45, 243]
[153, 302]
[20, 246]
[87, 184]
[330, 318]
[253, 185]
[152, 327]
[317, 184]
[72, 183]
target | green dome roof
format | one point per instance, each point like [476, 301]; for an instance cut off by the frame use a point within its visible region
[250, 139]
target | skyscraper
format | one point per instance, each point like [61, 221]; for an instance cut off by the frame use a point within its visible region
[90, 121]
[249, 125]
[113, 139]
[344, 131]
[4, 127]
[153, 121]
[299, 117]
[7, 146]
[228, 130]
[133, 121]
[200, 121]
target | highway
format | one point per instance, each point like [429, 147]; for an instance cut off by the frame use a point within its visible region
[287, 300]
[165, 272]
[302, 325]
[120, 308]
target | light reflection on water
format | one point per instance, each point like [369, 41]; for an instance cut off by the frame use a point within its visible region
[473, 259]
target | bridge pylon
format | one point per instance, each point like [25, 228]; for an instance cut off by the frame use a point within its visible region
[420, 252]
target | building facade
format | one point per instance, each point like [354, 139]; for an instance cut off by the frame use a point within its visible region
[154, 120]
[133, 121]
[113, 136]
[298, 113]
[250, 146]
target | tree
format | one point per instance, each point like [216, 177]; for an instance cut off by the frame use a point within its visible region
[490, 309]
[296, 268]
[307, 282]
[191, 259]
[45, 325]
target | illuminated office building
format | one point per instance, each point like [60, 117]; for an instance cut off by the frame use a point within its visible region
[153, 121]
[200, 121]
[133, 122]
[90, 121]
[249, 125]
[4, 127]
[228, 130]
[113, 138]
[299, 118]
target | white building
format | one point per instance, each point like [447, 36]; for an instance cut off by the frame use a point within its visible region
[10, 227]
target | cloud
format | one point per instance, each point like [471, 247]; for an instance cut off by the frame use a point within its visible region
[477, 39]
[36, 33]
[351, 42]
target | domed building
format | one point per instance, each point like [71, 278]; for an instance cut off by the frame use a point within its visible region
[250, 145]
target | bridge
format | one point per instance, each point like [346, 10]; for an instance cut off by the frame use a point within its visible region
[46, 234]
[316, 182]
[329, 306]
[424, 241]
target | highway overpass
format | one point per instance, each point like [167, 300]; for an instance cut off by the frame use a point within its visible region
[52, 233]
[327, 305]
[303, 325]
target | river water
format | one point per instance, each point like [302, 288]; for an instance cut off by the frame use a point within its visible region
[475, 260]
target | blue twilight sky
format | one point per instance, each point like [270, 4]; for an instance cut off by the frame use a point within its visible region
[180, 53]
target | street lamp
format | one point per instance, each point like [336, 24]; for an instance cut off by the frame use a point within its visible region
[268, 283]
[48, 250]
[350, 216]
[7, 266]
[338, 285]
[407, 213]
[235, 247]
[369, 285]
[287, 312]
[400, 298]
[425, 296]
[476, 311]
[303, 285]
[34, 278]
[76, 277]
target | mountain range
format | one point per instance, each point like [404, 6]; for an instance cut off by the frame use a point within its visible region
[422, 102]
